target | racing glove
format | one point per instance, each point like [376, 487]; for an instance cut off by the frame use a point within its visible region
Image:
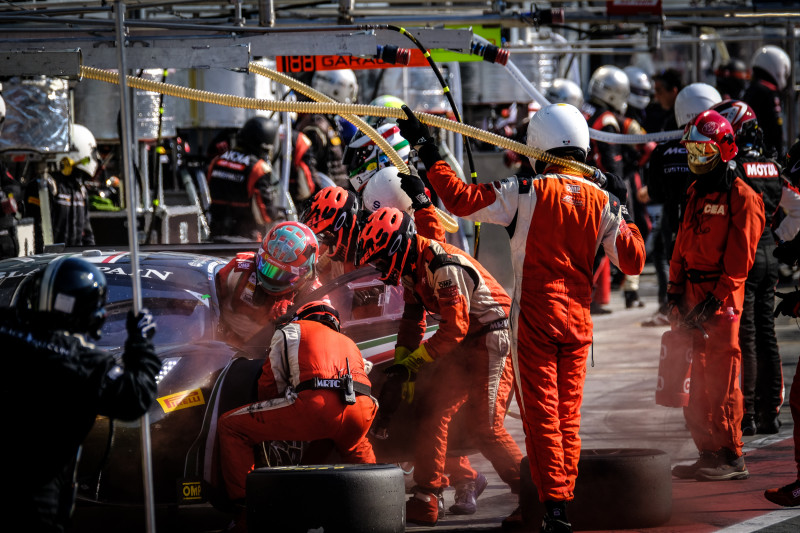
[419, 136]
[141, 327]
[407, 389]
[674, 301]
[616, 186]
[415, 189]
[408, 366]
[704, 310]
[789, 304]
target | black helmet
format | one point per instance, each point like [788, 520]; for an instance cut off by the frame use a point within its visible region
[69, 294]
[257, 136]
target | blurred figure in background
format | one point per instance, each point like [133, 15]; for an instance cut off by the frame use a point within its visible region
[323, 131]
[564, 91]
[771, 68]
[12, 207]
[732, 77]
[245, 195]
[68, 197]
[660, 115]
[608, 100]
[667, 178]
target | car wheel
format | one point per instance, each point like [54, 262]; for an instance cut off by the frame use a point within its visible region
[337, 498]
[617, 488]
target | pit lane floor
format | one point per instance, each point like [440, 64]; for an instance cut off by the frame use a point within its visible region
[619, 411]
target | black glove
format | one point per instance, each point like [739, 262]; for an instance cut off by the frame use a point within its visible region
[704, 310]
[415, 189]
[674, 301]
[616, 186]
[786, 253]
[789, 304]
[400, 372]
[414, 131]
[140, 327]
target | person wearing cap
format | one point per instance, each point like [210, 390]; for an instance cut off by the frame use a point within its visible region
[714, 251]
[313, 386]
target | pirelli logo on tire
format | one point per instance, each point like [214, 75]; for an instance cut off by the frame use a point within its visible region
[181, 400]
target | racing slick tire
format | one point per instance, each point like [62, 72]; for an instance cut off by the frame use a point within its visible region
[617, 488]
[341, 498]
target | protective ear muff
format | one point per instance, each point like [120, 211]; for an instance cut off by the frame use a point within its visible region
[66, 165]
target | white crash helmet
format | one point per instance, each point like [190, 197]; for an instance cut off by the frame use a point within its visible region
[774, 62]
[82, 151]
[341, 85]
[641, 87]
[2, 112]
[384, 190]
[558, 126]
[564, 91]
[693, 100]
[610, 85]
[363, 158]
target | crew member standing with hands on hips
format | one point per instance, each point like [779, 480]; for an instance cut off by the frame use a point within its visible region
[557, 220]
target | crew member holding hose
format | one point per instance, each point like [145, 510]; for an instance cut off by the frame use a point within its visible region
[556, 221]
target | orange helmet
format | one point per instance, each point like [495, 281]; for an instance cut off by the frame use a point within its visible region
[333, 216]
[386, 242]
[318, 311]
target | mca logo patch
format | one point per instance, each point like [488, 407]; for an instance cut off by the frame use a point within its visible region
[714, 209]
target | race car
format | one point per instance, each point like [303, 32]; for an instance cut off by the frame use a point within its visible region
[202, 377]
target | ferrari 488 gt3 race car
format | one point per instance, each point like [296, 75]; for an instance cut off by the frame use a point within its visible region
[202, 377]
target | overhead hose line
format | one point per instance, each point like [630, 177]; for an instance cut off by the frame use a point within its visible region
[449, 223]
[330, 108]
[446, 89]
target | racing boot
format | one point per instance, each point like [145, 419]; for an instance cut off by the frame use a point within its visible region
[787, 496]
[729, 466]
[708, 459]
[423, 507]
[555, 520]
[748, 425]
[768, 424]
[467, 495]
[632, 299]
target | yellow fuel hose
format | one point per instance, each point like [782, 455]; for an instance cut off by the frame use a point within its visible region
[450, 224]
[340, 109]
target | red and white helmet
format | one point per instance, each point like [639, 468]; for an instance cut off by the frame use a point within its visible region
[286, 258]
[709, 139]
[363, 158]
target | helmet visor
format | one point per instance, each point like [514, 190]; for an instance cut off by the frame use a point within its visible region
[274, 277]
[692, 134]
[702, 152]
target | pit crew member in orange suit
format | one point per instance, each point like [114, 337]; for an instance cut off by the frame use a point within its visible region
[334, 217]
[313, 386]
[714, 251]
[256, 288]
[470, 349]
[557, 222]
[244, 192]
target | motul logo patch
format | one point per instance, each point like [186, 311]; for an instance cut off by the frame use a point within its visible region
[711, 209]
[761, 170]
[181, 400]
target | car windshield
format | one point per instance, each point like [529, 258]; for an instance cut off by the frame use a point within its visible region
[183, 313]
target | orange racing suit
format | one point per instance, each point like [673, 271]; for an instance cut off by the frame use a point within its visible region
[715, 250]
[557, 222]
[293, 406]
[245, 307]
[471, 369]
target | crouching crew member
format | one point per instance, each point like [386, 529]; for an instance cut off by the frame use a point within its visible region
[470, 348]
[313, 386]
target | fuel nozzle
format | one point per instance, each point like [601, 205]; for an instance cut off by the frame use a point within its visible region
[489, 52]
[393, 55]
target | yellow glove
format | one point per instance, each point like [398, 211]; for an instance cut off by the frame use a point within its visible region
[416, 359]
[400, 353]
